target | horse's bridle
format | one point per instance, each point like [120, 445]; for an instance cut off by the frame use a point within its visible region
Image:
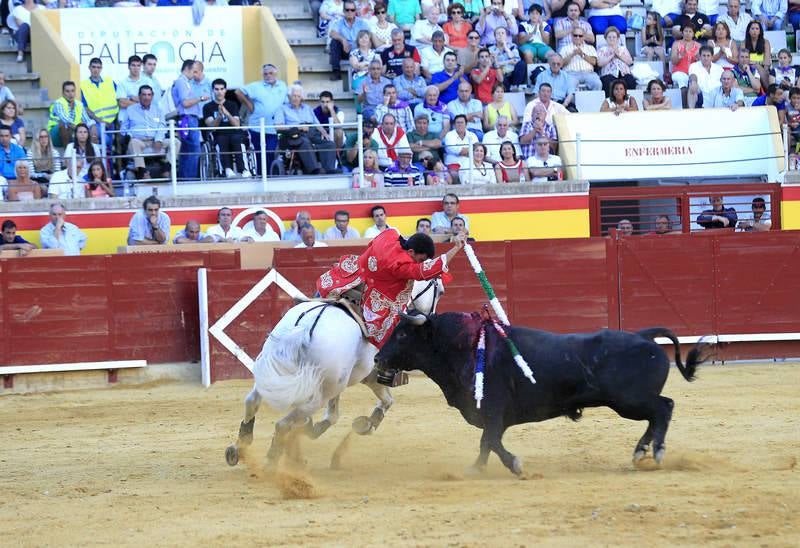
[433, 284]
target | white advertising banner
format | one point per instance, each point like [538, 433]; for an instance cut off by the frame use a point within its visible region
[114, 34]
[673, 144]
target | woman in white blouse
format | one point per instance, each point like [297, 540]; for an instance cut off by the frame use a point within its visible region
[482, 173]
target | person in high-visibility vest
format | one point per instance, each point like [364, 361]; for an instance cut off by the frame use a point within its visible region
[99, 95]
[65, 114]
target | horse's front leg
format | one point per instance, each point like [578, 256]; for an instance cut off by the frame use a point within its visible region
[367, 425]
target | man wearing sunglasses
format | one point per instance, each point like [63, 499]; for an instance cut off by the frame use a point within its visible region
[580, 60]
[343, 35]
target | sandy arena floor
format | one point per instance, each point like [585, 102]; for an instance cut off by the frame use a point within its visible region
[145, 466]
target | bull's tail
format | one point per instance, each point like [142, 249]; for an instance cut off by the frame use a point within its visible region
[702, 351]
[284, 376]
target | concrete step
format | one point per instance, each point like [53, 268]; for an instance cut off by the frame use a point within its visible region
[21, 81]
[289, 9]
[32, 97]
[312, 61]
[301, 30]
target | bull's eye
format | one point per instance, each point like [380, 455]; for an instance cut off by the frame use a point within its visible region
[401, 335]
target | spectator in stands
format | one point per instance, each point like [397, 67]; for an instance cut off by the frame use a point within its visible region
[99, 95]
[773, 98]
[5, 91]
[12, 241]
[378, 214]
[188, 102]
[259, 230]
[656, 99]
[565, 26]
[448, 79]
[535, 128]
[498, 107]
[480, 172]
[760, 50]
[506, 59]
[727, 95]
[44, 158]
[399, 109]
[700, 22]
[59, 234]
[605, 14]
[9, 117]
[663, 225]
[770, 13]
[761, 221]
[671, 11]
[128, 88]
[20, 23]
[457, 145]
[403, 172]
[793, 117]
[351, 148]
[262, 99]
[784, 74]
[502, 132]
[224, 231]
[494, 17]
[484, 77]
[10, 152]
[615, 60]
[308, 237]
[381, 28]
[718, 216]
[388, 138]
[422, 141]
[458, 227]
[684, 52]
[22, 187]
[370, 94]
[652, 37]
[82, 147]
[410, 86]
[341, 229]
[424, 226]
[618, 100]
[292, 234]
[436, 111]
[561, 87]
[793, 13]
[327, 112]
[432, 57]
[201, 86]
[423, 29]
[469, 107]
[62, 184]
[65, 115]
[221, 113]
[393, 57]
[308, 142]
[692, 95]
[580, 60]
[737, 20]
[726, 52]
[373, 177]
[360, 58]
[436, 173]
[99, 183]
[747, 75]
[457, 28]
[328, 13]
[543, 166]
[343, 34]
[147, 130]
[404, 13]
[468, 56]
[149, 64]
[441, 221]
[191, 234]
[625, 228]
[510, 168]
[708, 73]
[149, 225]
[534, 37]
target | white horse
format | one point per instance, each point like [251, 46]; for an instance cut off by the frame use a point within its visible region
[314, 352]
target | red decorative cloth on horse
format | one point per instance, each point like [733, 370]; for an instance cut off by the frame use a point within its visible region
[388, 272]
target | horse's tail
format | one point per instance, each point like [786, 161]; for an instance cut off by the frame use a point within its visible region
[702, 351]
[284, 376]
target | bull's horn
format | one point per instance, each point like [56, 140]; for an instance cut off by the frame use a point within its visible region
[414, 319]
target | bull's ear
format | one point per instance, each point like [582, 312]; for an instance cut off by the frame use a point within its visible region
[418, 318]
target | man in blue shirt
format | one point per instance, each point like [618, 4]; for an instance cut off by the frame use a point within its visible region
[149, 225]
[262, 99]
[560, 82]
[448, 79]
[147, 130]
[343, 35]
[189, 109]
[59, 234]
[10, 240]
[9, 154]
[305, 140]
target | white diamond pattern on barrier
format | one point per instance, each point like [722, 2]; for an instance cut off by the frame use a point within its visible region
[218, 329]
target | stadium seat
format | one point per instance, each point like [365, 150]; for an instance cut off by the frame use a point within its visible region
[589, 100]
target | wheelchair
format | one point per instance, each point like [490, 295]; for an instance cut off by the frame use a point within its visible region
[211, 158]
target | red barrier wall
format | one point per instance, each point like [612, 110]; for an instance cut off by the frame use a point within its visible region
[98, 308]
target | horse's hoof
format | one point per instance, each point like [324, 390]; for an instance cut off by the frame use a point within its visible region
[638, 455]
[474, 471]
[516, 467]
[232, 455]
[659, 456]
[363, 426]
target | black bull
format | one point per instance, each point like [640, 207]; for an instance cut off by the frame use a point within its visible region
[621, 370]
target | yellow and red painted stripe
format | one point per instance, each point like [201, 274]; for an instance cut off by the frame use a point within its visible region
[790, 207]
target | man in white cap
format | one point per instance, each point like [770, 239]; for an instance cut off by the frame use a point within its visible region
[403, 172]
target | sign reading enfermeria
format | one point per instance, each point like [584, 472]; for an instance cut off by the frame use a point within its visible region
[114, 34]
